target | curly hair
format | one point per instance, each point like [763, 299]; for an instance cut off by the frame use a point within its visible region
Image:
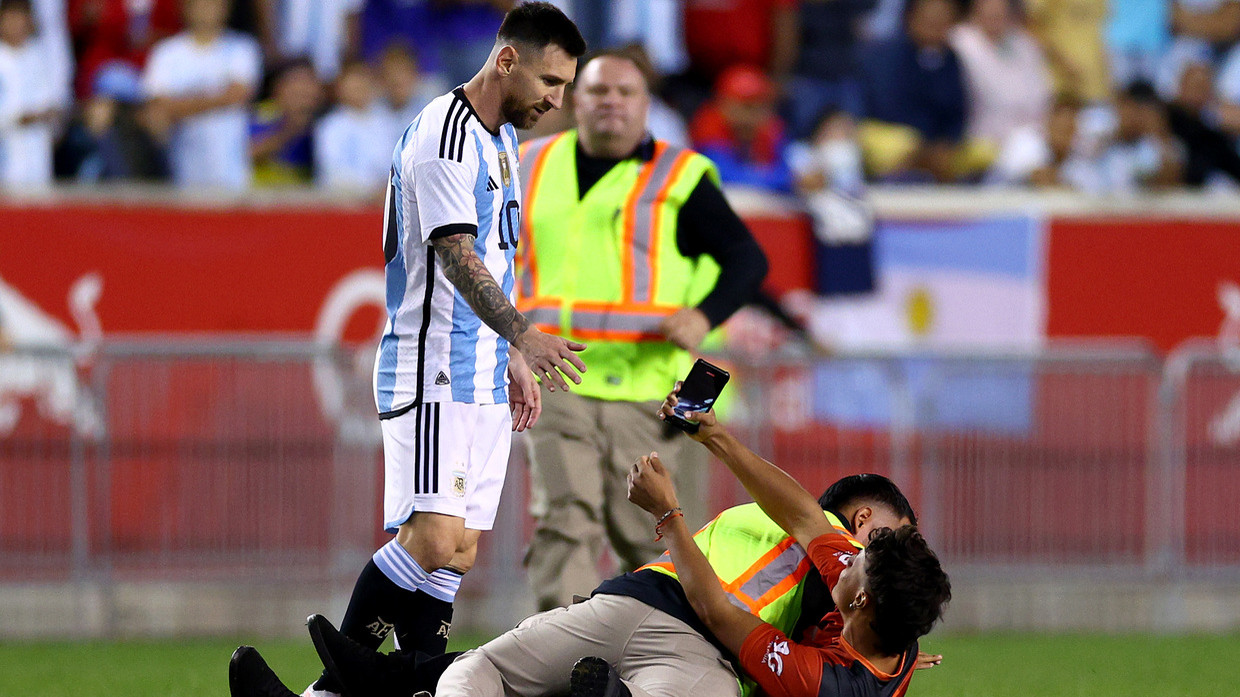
[908, 586]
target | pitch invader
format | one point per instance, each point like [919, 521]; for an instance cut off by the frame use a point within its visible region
[456, 365]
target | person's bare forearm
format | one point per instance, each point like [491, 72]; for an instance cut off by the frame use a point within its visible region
[184, 107]
[730, 624]
[476, 284]
[780, 496]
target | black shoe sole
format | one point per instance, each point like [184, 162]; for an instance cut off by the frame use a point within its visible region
[594, 677]
[314, 623]
[234, 667]
[241, 676]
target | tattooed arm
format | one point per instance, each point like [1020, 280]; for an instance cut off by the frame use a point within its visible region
[547, 355]
[470, 276]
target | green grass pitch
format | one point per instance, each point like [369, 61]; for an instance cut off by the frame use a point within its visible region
[990, 665]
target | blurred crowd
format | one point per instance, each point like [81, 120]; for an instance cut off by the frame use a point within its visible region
[807, 96]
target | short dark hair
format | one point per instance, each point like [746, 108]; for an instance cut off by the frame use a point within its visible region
[1141, 92]
[541, 24]
[907, 585]
[866, 488]
[24, 5]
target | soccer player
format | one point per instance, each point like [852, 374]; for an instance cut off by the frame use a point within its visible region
[453, 340]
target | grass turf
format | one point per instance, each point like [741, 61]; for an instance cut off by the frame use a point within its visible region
[991, 665]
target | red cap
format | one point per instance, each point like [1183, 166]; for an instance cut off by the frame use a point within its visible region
[745, 83]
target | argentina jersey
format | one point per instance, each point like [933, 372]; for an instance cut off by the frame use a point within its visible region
[450, 175]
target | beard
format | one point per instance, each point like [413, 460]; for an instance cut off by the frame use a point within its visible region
[520, 116]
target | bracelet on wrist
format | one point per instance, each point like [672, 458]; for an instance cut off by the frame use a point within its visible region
[658, 532]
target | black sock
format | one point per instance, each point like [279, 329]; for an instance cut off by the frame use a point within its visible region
[375, 608]
[424, 625]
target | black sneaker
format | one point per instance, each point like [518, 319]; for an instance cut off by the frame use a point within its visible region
[362, 671]
[250, 676]
[594, 677]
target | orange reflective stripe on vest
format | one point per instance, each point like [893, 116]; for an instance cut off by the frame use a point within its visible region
[600, 320]
[526, 258]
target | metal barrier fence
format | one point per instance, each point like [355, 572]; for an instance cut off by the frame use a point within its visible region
[243, 463]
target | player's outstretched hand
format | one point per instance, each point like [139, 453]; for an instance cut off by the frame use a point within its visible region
[927, 660]
[524, 396]
[549, 355]
[708, 425]
[650, 486]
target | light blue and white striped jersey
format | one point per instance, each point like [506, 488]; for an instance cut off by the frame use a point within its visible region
[449, 175]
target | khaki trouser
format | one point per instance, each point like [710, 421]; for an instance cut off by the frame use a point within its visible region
[655, 654]
[580, 454]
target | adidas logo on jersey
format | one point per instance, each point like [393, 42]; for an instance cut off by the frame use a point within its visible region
[491, 185]
[442, 379]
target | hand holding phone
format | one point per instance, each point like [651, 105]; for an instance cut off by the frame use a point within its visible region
[698, 393]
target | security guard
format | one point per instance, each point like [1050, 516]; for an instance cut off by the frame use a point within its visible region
[629, 246]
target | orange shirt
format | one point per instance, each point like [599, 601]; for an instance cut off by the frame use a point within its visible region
[824, 666]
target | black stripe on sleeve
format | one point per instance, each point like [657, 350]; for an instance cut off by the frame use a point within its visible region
[460, 153]
[447, 120]
[458, 134]
[391, 236]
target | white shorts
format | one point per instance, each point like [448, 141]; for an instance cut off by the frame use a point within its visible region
[445, 457]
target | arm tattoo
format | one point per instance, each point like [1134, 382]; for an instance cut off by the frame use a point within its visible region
[466, 271]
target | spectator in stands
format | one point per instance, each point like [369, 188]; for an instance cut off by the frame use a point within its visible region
[1071, 34]
[106, 141]
[1141, 151]
[51, 27]
[722, 33]
[198, 85]
[1227, 89]
[915, 99]
[28, 111]
[325, 31]
[281, 143]
[1008, 83]
[406, 90]
[740, 131]
[107, 31]
[658, 26]
[1137, 37]
[831, 180]
[450, 37]
[1215, 22]
[347, 153]
[825, 75]
[1053, 157]
[1207, 150]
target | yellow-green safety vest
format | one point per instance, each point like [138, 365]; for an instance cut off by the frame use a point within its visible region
[604, 269]
[760, 566]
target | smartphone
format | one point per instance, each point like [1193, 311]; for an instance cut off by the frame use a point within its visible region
[700, 389]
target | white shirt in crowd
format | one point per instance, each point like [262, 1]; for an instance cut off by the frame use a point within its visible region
[347, 152]
[25, 151]
[53, 30]
[317, 29]
[209, 149]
